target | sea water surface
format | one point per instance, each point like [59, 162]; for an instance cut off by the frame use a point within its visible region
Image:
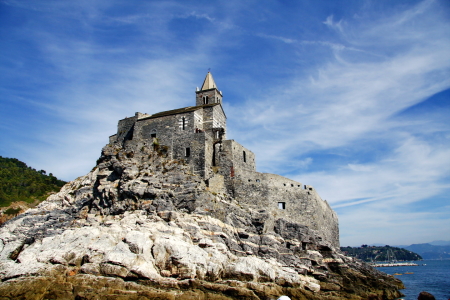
[432, 276]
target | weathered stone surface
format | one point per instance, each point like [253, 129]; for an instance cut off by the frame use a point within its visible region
[142, 226]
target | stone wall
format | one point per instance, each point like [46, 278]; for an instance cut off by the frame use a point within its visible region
[288, 199]
[214, 117]
[183, 136]
[232, 157]
[113, 138]
[125, 129]
[213, 97]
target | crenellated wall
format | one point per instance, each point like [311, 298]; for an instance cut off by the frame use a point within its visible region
[288, 199]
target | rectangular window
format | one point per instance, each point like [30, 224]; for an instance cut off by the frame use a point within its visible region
[153, 135]
[188, 152]
[282, 205]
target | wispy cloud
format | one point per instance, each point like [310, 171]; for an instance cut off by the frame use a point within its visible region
[279, 38]
[349, 107]
[334, 25]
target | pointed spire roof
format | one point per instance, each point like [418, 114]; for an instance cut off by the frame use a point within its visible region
[208, 83]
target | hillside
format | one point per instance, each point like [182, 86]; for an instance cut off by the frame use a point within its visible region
[19, 182]
[377, 253]
[428, 251]
[22, 187]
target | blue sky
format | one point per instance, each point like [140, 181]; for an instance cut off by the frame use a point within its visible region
[352, 97]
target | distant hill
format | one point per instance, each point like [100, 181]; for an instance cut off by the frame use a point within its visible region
[21, 186]
[440, 243]
[380, 253]
[428, 251]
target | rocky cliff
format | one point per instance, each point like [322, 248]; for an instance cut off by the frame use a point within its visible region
[141, 226]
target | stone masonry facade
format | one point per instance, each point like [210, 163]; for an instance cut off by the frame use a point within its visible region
[196, 135]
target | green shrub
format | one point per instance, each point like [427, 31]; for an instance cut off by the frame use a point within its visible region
[12, 211]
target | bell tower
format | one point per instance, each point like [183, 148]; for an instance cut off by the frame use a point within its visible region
[209, 93]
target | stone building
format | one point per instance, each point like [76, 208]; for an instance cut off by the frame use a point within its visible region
[197, 135]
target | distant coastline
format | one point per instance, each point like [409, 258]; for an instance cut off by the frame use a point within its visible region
[386, 253]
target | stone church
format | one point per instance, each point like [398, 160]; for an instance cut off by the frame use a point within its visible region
[196, 135]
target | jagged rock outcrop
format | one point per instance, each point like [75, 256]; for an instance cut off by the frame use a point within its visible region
[141, 226]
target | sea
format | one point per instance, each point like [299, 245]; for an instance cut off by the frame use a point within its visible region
[432, 276]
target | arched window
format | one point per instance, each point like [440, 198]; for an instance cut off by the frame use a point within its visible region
[153, 133]
[245, 158]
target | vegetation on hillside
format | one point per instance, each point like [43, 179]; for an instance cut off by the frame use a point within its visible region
[383, 253]
[18, 182]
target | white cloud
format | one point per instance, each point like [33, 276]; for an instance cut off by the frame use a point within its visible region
[338, 26]
[279, 38]
[352, 103]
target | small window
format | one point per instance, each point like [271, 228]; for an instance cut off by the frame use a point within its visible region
[282, 205]
[292, 185]
[188, 152]
[249, 180]
[153, 133]
[257, 180]
[183, 120]
[284, 184]
[245, 158]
